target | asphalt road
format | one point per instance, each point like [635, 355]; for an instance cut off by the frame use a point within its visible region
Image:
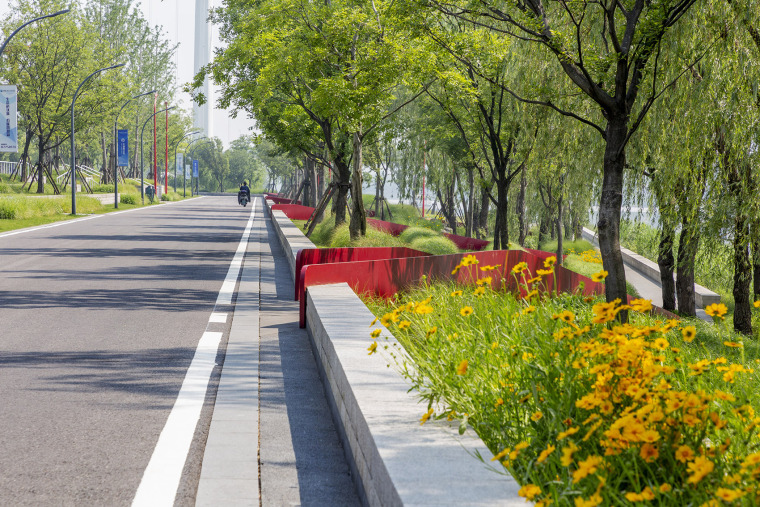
[99, 321]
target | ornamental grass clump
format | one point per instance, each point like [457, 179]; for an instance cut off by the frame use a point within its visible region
[581, 409]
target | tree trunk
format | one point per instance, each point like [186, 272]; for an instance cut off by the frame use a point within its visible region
[377, 193]
[358, 225]
[501, 227]
[40, 170]
[543, 229]
[756, 259]
[742, 276]
[482, 221]
[687, 252]
[608, 225]
[666, 262]
[470, 209]
[522, 224]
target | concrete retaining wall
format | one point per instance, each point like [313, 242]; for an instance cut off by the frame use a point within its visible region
[394, 459]
[651, 270]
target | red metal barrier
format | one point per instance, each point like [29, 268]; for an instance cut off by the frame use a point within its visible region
[310, 256]
[391, 228]
[282, 200]
[465, 243]
[294, 211]
[389, 276]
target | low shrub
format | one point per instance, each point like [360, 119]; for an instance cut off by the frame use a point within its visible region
[436, 245]
[128, 198]
[102, 188]
[341, 238]
[412, 233]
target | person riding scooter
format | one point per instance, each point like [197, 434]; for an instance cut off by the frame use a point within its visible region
[244, 188]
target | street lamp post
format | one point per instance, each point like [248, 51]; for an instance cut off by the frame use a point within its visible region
[142, 171]
[184, 176]
[73, 149]
[115, 144]
[17, 30]
[176, 147]
[191, 157]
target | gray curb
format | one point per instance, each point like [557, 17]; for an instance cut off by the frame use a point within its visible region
[394, 459]
[702, 296]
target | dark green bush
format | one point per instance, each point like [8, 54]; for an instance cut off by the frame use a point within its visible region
[128, 199]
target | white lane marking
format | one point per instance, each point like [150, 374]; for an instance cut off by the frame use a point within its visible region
[92, 217]
[228, 287]
[164, 471]
[218, 317]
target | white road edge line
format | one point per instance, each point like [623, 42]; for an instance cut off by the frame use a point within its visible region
[91, 217]
[161, 478]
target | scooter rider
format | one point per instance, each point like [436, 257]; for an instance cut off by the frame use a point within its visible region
[244, 188]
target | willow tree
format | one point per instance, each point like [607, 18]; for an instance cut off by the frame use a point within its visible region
[608, 50]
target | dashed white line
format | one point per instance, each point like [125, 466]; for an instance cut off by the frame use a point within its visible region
[218, 317]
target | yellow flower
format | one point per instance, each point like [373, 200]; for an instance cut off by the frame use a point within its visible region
[570, 431]
[423, 308]
[519, 268]
[479, 291]
[375, 333]
[462, 368]
[550, 261]
[601, 275]
[689, 333]
[756, 304]
[735, 345]
[684, 453]
[501, 454]
[485, 280]
[489, 268]
[404, 324]
[665, 488]
[729, 495]
[456, 293]
[372, 348]
[716, 310]
[593, 501]
[529, 491]
[565, 316]
[373, 322]
[567, 454]
[465, 311]
[537, 416]
[529, 309]
[432, 330]
[545, 453]
[587, 467]
[649, 452]
[641, 305]
[469, 260]
[698, 468]
[544, 272]
[426, 416]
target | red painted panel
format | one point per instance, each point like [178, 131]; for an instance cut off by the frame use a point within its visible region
[389, 227]
[294, 211]
[387, 277]
[465, 243]
[309, 256]
[282, 200]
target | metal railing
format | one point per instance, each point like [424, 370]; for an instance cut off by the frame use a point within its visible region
[8, 167]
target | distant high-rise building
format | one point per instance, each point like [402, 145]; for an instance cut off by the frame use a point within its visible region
[202, 114]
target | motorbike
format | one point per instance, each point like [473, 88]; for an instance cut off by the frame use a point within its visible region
[243, 198]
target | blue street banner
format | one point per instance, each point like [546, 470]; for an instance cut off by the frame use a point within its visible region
[122, 138]
[8, 120]
[178, 168]
[195, 168]
[188, 173]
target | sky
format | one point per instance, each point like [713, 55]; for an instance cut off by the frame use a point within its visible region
[178, 26]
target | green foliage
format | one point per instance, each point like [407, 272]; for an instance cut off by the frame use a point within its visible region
[524, 375]
[128, 198]
[103, 188]
[577, 246]
[341, 238]
[413, 233]
[23, 207]
[436, 245]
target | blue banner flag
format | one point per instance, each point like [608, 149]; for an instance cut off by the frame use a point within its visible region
[195, 168]
[123, 148]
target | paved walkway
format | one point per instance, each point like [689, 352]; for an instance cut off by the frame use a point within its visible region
[272, 439]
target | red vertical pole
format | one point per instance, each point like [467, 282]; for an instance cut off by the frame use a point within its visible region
[155, 155]
[166, 172]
